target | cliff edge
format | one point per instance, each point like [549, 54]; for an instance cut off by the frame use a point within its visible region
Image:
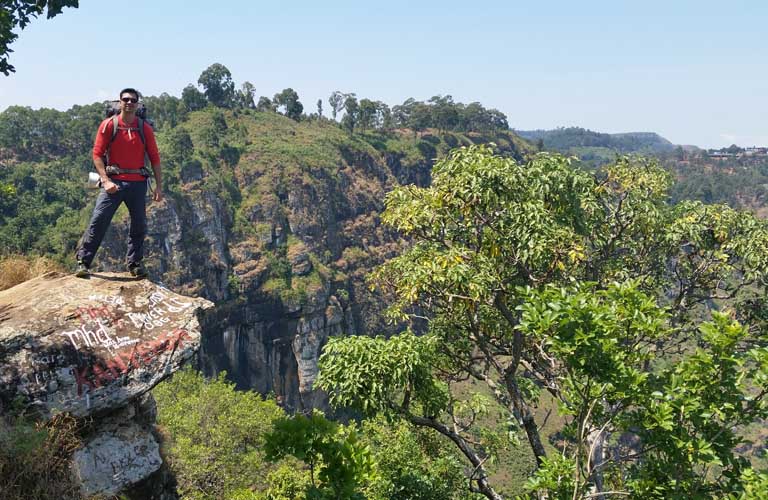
[93, 348]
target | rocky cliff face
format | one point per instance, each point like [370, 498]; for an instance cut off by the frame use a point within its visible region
[94, 348]
[281, 241]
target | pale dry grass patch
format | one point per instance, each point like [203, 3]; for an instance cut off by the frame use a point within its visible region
[15, 269]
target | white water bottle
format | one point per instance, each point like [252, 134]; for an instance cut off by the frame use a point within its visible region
[94, 181]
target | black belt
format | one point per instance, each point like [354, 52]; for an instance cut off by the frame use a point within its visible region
[115, 170]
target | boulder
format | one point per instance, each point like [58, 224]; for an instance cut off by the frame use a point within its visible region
[93, 348]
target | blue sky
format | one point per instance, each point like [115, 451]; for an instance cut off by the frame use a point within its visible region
[693, 71]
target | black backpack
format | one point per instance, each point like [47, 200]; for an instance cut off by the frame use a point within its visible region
[113, 110]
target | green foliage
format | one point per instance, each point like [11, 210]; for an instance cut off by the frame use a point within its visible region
[37, 202]
[339, 464]
[395, 369]
[690, 423]
[542, 275]
[214, 434]
[165, 110]
[443, 113]
[554, 478]
[43, 134]
[288, 99]
[218, 86]
[288, 482]
[193, 99]
[740, 183]
[412, 464]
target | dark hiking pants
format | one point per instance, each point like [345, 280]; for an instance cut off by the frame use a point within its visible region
[133, 194]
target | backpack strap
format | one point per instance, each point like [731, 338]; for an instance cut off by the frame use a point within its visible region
[114, 128]
[140, 130]
[114, 134]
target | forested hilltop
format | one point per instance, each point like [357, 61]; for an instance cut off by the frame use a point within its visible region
[490, 321]
[735, 176]
[597, 147]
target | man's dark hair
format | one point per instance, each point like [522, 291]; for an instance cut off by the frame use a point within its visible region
[129, 91]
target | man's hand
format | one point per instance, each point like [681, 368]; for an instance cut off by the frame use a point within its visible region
[109, 186]
[157, 195]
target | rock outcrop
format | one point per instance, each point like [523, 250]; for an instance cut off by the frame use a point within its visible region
[94, 348]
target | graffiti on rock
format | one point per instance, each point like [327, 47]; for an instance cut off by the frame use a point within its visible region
[143, 356]
[110, 341]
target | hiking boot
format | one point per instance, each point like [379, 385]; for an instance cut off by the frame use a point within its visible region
[137, 270]
[82, 270]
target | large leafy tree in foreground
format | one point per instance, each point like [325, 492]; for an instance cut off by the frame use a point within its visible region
[642, 320]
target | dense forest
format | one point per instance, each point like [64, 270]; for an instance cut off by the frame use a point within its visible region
[528, 326]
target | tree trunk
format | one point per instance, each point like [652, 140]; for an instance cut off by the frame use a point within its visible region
[524, 415]
[596, 446]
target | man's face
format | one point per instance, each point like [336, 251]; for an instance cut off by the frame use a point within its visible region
[128, 102]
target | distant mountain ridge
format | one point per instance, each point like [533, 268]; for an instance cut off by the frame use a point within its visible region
[577, 140]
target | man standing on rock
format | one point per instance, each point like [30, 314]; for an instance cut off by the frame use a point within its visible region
[118, 155]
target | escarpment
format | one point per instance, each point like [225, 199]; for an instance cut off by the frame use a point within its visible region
[281, 236]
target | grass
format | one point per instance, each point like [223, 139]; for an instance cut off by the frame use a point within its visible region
[15, 269]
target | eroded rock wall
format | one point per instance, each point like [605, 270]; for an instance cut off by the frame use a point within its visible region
[284, 246]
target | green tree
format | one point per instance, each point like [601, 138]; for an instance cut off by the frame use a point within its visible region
[193, 99]
[338, 463]
[336, 100]
[18, 14]
[265, 104]
[165, 110]
[412, 464]
[366, 114]
[288, 99]
[215, 434]
[218, 86]
[444, 111]
[420, 117]
[402, 112]
[351, 113]
[79, 130]
[246, 96]
[542, 276]
[384, 118]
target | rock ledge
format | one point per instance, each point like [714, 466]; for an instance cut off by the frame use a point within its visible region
[93, 348]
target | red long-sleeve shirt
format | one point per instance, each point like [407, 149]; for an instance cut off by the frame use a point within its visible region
[127, 150]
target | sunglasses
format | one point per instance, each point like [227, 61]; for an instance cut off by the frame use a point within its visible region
[132, 100]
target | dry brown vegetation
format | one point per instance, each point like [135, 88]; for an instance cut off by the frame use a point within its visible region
[15, 269]
[35, 459]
